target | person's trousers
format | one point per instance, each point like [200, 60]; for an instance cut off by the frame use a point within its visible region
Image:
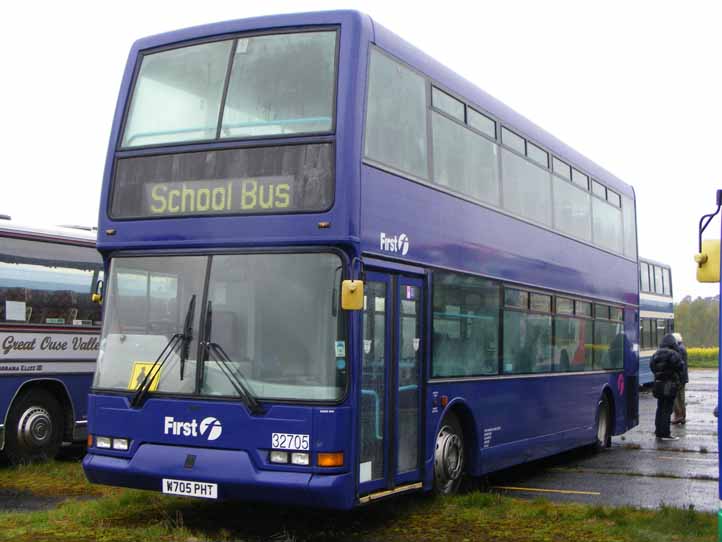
[665, 406]
[680, 408]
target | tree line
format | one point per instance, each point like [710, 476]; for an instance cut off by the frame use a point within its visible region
[698, 321]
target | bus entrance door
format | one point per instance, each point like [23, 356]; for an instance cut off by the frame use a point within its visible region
[390, 455]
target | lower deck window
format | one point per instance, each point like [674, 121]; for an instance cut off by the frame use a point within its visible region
[531, 333]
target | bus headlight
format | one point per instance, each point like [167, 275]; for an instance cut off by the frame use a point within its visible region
[102, 442]
[300, 458]
[278, 457]
[120, 444]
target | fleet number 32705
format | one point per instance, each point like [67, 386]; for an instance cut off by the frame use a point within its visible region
[289, 441]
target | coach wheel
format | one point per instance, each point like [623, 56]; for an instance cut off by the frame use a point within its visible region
[604, 425]
[34, 430]
[449, 461]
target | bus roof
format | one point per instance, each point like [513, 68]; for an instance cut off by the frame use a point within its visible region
[413, 56]
[58, 233]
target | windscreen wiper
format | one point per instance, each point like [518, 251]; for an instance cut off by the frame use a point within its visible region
[187, 334]
[181, 339]
[237, 379]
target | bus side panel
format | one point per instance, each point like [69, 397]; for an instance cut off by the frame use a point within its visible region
[523, 419]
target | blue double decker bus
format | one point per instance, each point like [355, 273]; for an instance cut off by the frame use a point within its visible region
[338, 271]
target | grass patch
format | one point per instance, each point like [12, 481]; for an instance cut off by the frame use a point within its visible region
[129, 515]
[52, 479]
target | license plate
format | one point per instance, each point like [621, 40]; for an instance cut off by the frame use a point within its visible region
[186, 488]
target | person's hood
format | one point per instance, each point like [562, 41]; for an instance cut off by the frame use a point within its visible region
[668, 341]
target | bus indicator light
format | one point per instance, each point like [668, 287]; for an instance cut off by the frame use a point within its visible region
[333, 459]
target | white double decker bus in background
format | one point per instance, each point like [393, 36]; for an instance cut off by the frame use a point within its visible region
[656, 312]
[49, 329]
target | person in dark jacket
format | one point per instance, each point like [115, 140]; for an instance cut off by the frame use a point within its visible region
[668, 369]
[680, 406]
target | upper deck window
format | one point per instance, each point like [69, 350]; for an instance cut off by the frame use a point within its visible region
[561, 168]
[443, 102]
[396, 116]
[538, 155]
[513, 141]
[481, 122]
[279, 84]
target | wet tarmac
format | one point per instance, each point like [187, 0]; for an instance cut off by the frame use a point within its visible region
[637, 470]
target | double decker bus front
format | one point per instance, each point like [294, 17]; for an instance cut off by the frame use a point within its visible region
[224, 370]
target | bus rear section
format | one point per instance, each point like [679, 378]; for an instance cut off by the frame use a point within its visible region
[49, 338]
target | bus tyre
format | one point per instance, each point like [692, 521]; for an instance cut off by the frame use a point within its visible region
[34, 430]
[603, 437]
[449, 459]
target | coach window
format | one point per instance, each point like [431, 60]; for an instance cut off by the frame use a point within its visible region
[464, 161]
[516, 298]
[513, 141]
[599, 189]
[647, 336]
[583, 308]
[526, 188]
[661, 330]
[613, 198]
[607, 225]
[527, 338]
[572, 338]
[666, 275]
[658, 285]
[644, 275]
[580, 179]
[465, 338]
[630, 227]
[572, 209]
[608, 338]
[540, 156]
[177, 95]
[48, 283]
[443, 102]
[481, 122]
[396, 116]
[281, 84]
[560, 168]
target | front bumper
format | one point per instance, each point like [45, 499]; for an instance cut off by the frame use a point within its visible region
[232, 470]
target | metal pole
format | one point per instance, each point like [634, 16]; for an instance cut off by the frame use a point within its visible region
[719, 402]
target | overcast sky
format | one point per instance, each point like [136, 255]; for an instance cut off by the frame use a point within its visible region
[635, 86]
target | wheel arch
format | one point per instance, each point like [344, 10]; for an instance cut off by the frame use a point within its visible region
[460, 408]
[59, 390]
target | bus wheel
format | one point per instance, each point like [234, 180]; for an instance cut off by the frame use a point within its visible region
[34, 431]
[603, 437]
[449, 461]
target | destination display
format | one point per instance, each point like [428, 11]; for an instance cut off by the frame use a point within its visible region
[288, 179]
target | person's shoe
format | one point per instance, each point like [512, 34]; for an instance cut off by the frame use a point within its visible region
[668, 438]
[675, 422]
